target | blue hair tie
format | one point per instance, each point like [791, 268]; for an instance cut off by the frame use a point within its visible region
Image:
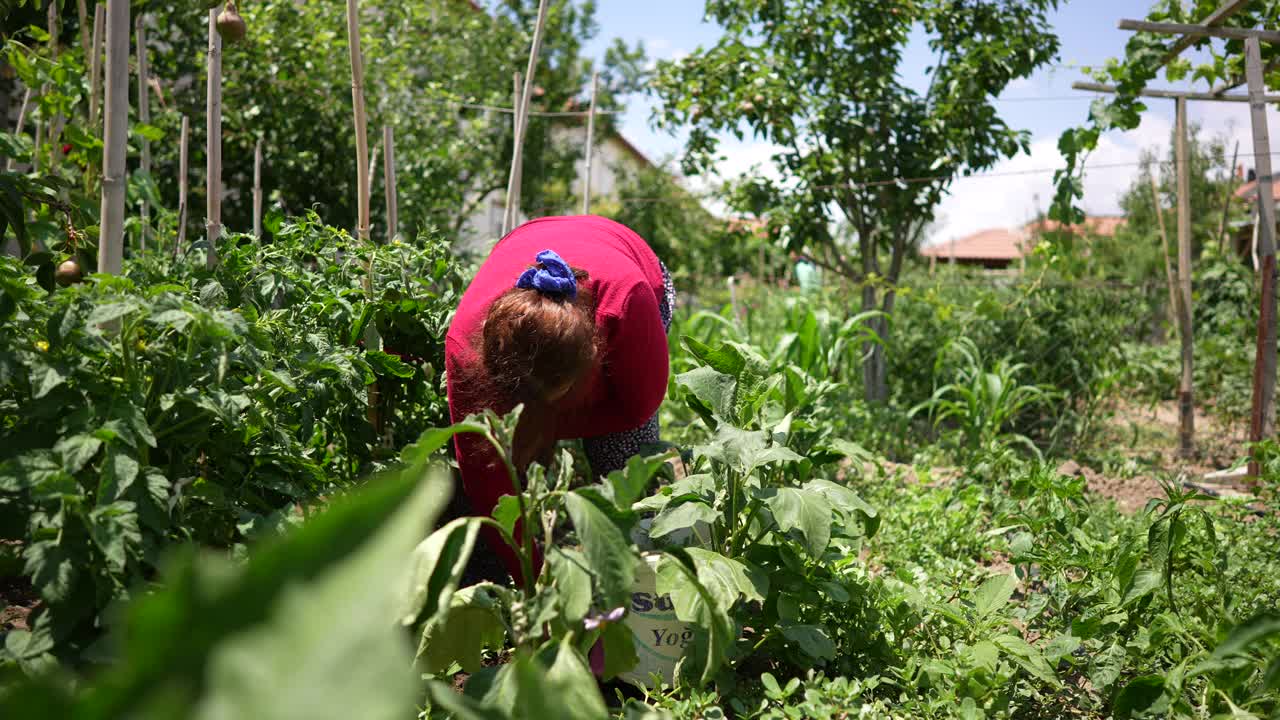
[554, 279]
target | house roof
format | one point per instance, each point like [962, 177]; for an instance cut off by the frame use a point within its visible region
[1105, 225]
[991, 244]
[1248, 192]
[1013, 243]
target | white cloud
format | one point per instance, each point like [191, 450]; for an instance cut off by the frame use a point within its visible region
[1003, 199]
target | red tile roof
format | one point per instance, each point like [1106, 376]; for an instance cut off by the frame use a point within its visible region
[993, 244]
[1248, 192]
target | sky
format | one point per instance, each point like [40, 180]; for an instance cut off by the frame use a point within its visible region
[1044, 104]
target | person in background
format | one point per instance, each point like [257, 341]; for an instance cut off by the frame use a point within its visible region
[808, 276]
[568, 316]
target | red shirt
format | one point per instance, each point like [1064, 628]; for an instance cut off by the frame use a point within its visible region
[626, 388]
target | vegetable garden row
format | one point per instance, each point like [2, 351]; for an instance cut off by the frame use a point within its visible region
[224, 492]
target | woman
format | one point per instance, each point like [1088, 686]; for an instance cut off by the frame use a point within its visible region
[568, 317]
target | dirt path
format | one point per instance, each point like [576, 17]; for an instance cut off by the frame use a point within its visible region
[1140, 445]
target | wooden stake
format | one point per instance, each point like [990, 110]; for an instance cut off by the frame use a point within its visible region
[1262, 415]
[361, 122]
[1226, 197]
[115, 138]
[371, 339]
[257, 190]
[389, 182]
[180, 242]
[522, 111]
[1186, 407]
[1164, 245]
[144, 116]
[22, 120]
[95, 66]
[591, 132]
[512, 208]
[213, 144]
[83, 9]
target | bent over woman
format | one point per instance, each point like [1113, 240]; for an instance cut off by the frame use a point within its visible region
[567, 316]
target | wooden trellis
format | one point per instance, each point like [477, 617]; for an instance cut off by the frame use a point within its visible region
[1262, 416]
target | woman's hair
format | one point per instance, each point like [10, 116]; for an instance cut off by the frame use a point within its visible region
[533, 346]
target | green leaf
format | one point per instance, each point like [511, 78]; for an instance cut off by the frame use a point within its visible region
[694, 603]
[435, 438]
[49, 379]
[1027, 657]
[681, 517]
[298, 662]
[114, 529]
[1247, 634]
[76, 451]
[606, 549]
[984, 654]
[567, 689]
[507, 513]
[175, 636]
[629, 483]
[993, 594]
[713, 389]
[804, 511]
[572, 581]
[619, 646]
[437, 564]
[471, 623]
[1137, 696]
[847, 502]
[812, 639]
[385, 365]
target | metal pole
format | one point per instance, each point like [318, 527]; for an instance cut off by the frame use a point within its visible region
[1262, 416]
[1186, 406]
[591, 132]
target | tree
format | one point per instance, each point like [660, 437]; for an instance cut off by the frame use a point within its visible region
[288, 84]
[823, 80]
[1143, 60]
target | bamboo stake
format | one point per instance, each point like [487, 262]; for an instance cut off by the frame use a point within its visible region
[22, 120]
[115, 138]
[213, 144]
[372, 341]
[389, 182]
[1164, 245]
[1186, 407]
[180, 242]
[1226, 197]
[361, 123]
[95, 66]
[83, 10]
[522, 111]
[257, 190]
[508, 214]
[1262, 415]
[591, 133]
[144, 116]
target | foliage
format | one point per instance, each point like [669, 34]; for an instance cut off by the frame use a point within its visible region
[819, 80]
[1144, 54]
[271, 637]
[422, 59]
[176, 404]
[984, 401]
